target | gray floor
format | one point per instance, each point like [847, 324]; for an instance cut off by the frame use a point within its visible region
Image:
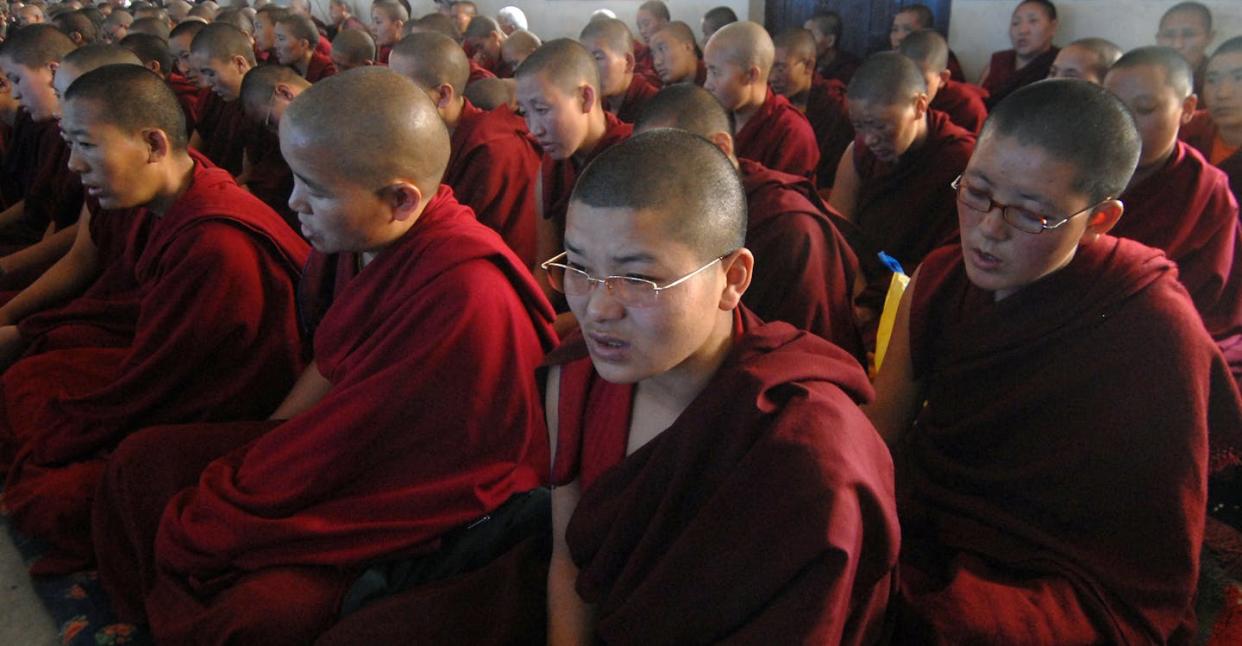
[23, 619]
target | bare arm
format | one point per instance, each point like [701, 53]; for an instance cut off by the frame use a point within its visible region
[25, 265]
[306, 392]
[67, 278]
[12, 215]
[570, 619]
[898, 397]
[844, 196]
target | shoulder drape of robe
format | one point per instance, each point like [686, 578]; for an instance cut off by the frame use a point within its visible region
[804, 268]
[1003, 77]
[493, 169]
[636, 96]
[1049, 493]
[559, 175]
[1201, 133]
[432, 420]
[779, 137]
[223, 127]
[829, 115]
[964, 103]
[320, 67]
[764, 514]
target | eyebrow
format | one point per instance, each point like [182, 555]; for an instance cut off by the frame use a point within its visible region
[618, 260]
[313, 185]
[76, 132]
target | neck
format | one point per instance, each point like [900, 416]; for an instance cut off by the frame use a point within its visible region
[675, 389]
[614, 102]
[175, 179]
[1151, 168]
[757, 96]
[919, 139]
[303, 63]
[595, 133]
[1022, 61]
[452, 113]
[800, 96]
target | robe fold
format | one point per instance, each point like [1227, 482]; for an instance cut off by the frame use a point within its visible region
[559, 175]
[1003, 77]
[320, 66]
[1053, 489]
[780, 137]
[478, 72]
[269, 178]
[384, 52]
[804, 268]
[842, 67]
[55, 194]
[644, 64]
[1187, 211]
[224, 129]
[907, 208]
[1201, 133]
[15, 171]
[493, 169]
[211, 298]
[636, 96]
[964, 103]
[432, 421]
[188, 97]
[764, 514]
[829, 115]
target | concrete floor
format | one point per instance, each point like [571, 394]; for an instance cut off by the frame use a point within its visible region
[23, 619]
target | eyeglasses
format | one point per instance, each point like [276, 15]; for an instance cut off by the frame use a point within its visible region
[634, 292]
[1017, 217]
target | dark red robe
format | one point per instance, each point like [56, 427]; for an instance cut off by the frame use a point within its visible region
[559, 175]
[764, 514]
[493, 169]
[478, 72]
[964, 103]
[779, 137]
[188, 97]
[210, 295]
[323, 46]
[384, 52]
[906, 209]
[644, 64]
[829, 115]
[1049, 493]
[432, 421]
[1186, 210]
[637, 94]
[16, 172]
[224, 129]
[270, 178]
[804, 268]
[842, 67]
[955, 68]
[320, 67]
[38, 172]
[1003, 78]
[1201, 133]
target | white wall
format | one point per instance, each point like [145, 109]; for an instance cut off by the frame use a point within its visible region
[557, 18]
[980, 27]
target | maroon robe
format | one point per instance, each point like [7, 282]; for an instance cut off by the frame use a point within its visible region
[224, 129]
[188, 97]
[842, 67]
[448, 429]
[478, 72]
[964, 103]
[1003, 78]
[636, 96]
[211, 296]
[955, 68]
[1201, 133]
[829, 115]
[644, 64]
[320, 67]
[493, 169]
[764, 514]
[40, 175]
[804, 268]
[323, 46]
[269, 178]
[16, 172]
[780, 137]
[906, 208]
[559, 175]
[1187, 211]
[384, 52]
[1053, 489]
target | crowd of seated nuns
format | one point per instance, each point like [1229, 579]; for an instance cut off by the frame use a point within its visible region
[622, 339]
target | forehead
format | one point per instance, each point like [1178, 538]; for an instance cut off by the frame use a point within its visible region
[1029, 9]
[906, 19]
[1219, 63]
[84, 115]
[600, 43]
[620, 231]
[539, 86]
[1073, 54]
[891, 113]
[1183, 19]
[1147, 76]
[1027, 169]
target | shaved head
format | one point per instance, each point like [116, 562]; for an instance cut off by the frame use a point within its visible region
[431, 60]
[407, 139]
[489, 94]
[1075, 122]
[240, 20]
[656, 8]
[681, 176]
[89, 57]
[745, 43]
[153, 26]
[678, 31]
[563, 62]
[301, 27]
[1177, 72]
[1099, 55]
[481, 27]
[390, 10]
[434, 22]
[927, 49]
[150, 50]
[921, 13]
[132, 98]
[797, 42]
[261, 81]
[1196, 8]
[613, 33]
[190, 27]
[219, 41]
[715, 18]
[886, 78]
[686, 107]
[75, 23]
[352, 48]
[36, 45]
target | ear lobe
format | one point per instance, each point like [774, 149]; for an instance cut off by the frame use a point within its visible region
[739, 269]
[921, 104]
[945, 75]
[1189, 105]
[630, 63]
[588, 98]
[1105, 217]
[723, 141]
[405, 200]
[158, 145]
